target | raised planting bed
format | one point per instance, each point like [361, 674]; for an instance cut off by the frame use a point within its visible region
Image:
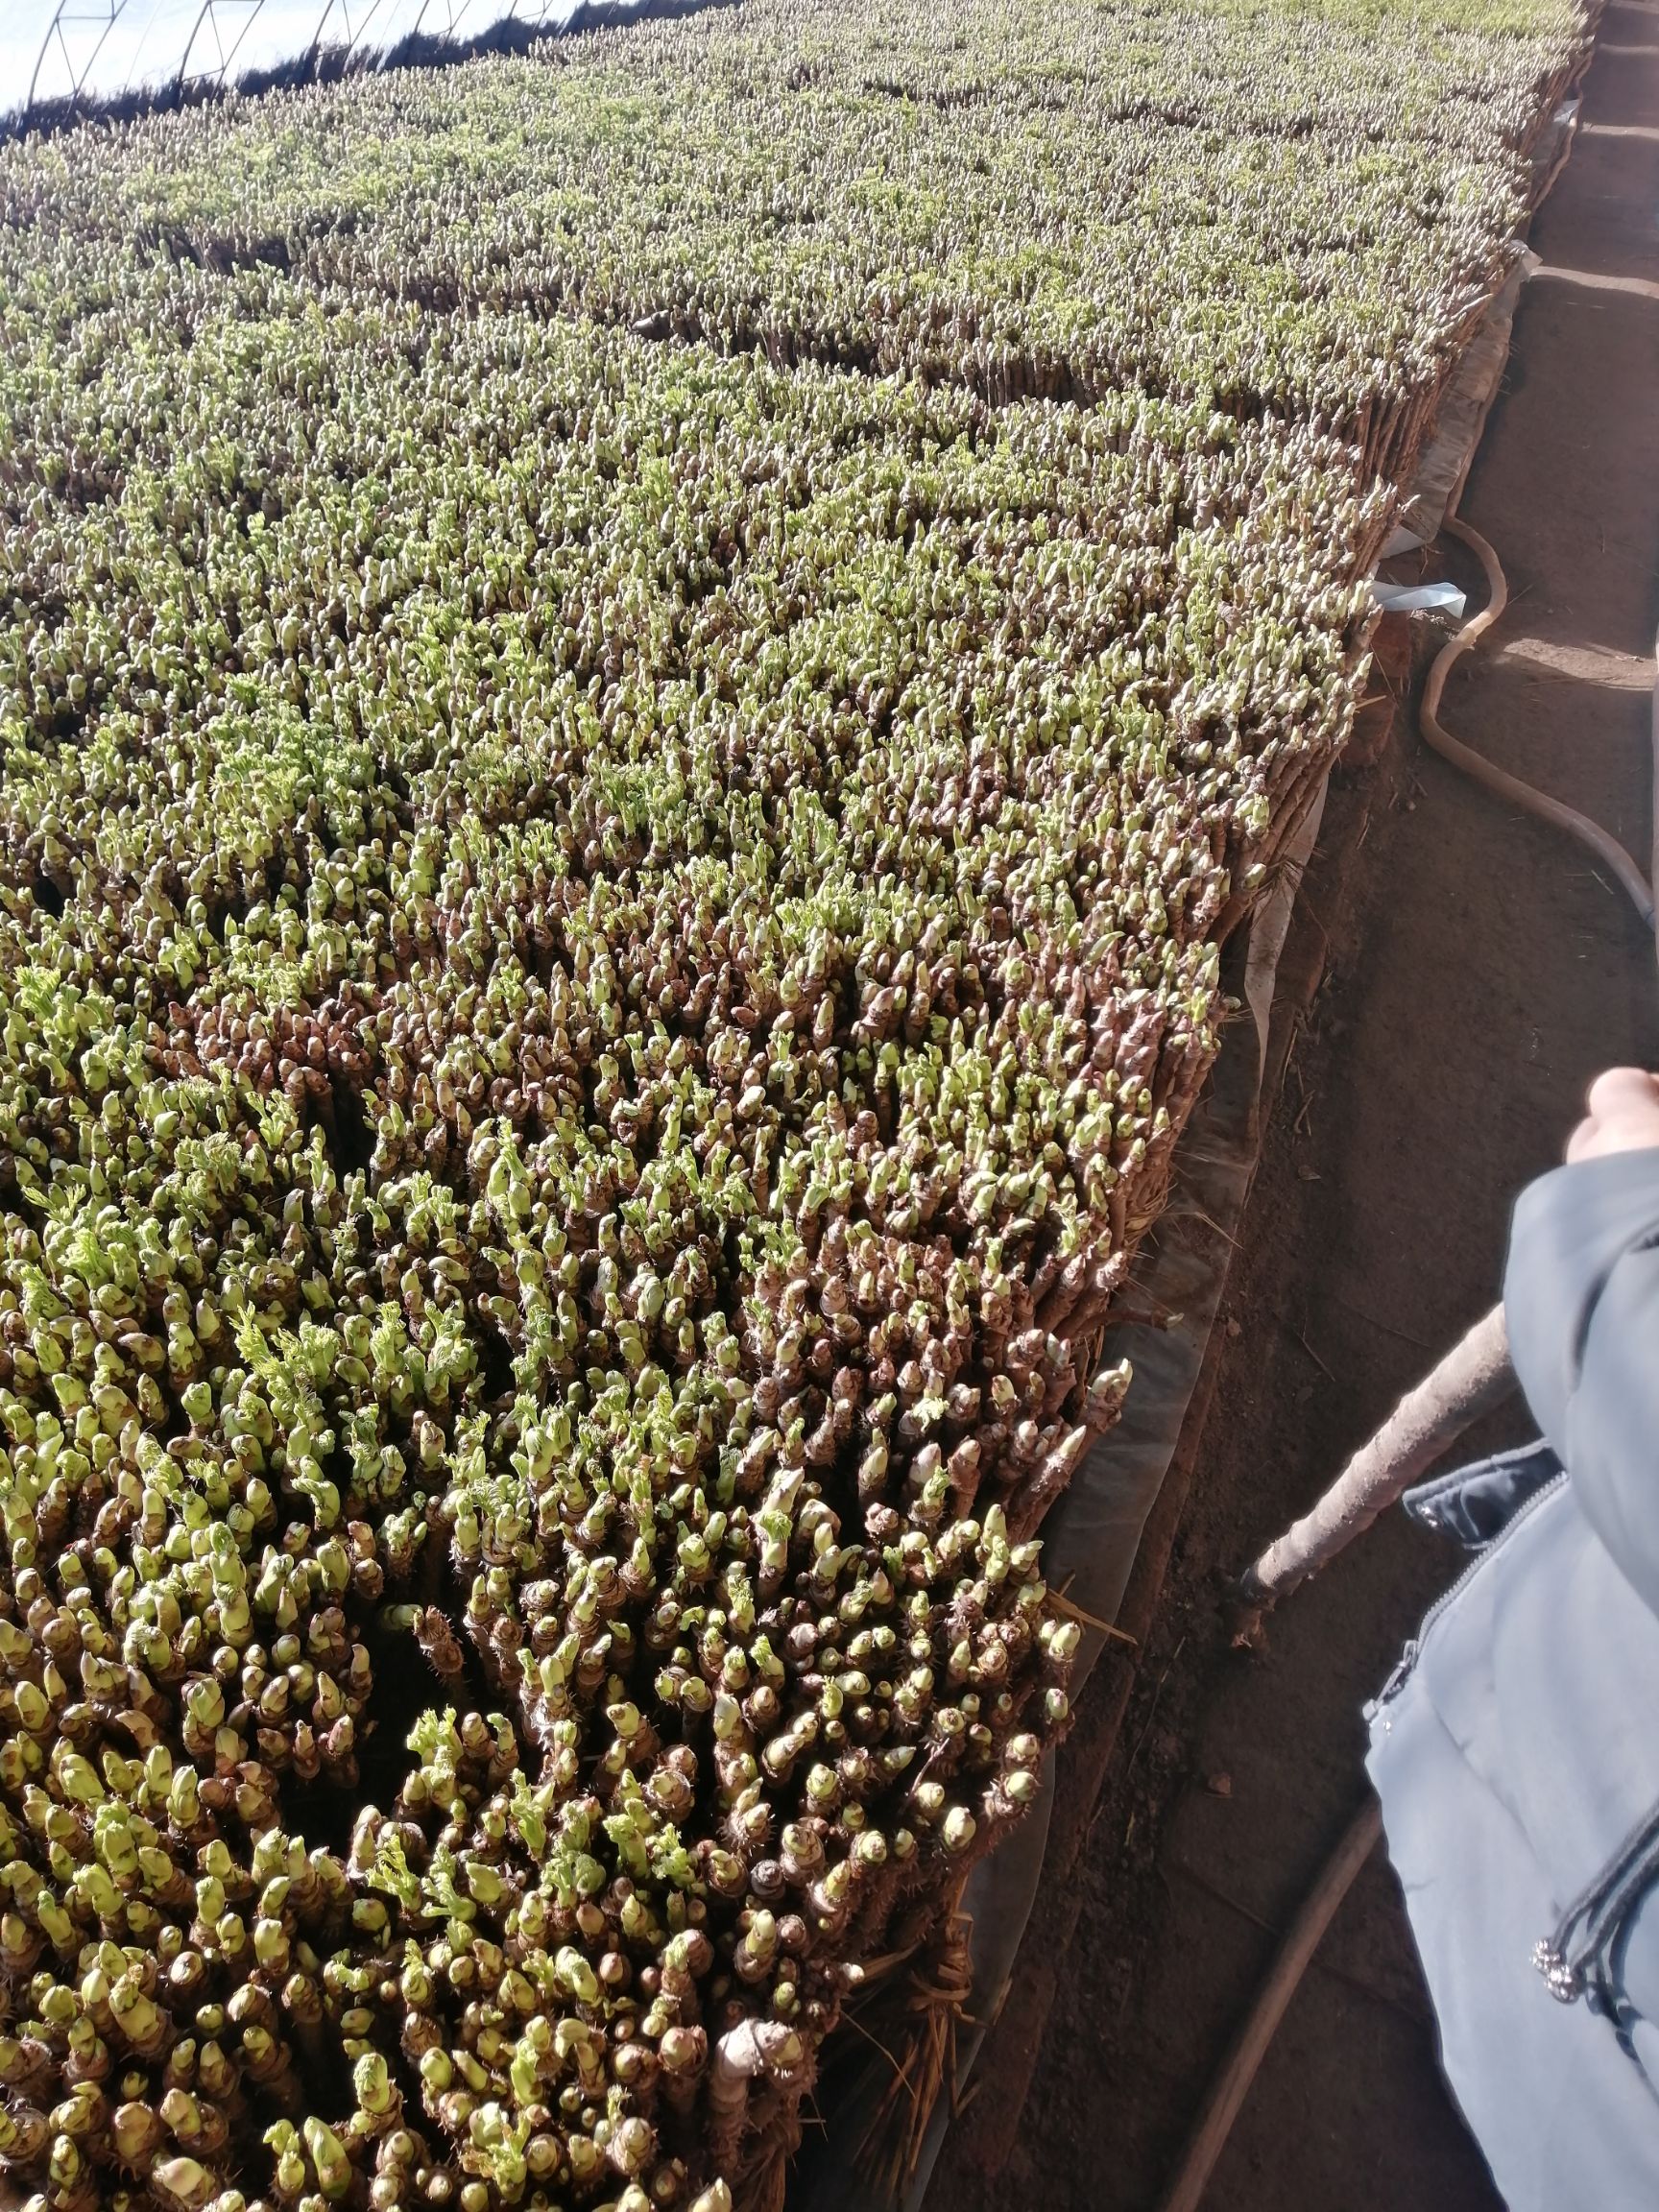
[640, 686]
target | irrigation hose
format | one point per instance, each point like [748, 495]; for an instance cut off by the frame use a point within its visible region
[1601, 842]
[1231, 2084]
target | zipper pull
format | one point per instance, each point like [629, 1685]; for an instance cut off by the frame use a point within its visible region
[1402, 1667]
[1564, 1981]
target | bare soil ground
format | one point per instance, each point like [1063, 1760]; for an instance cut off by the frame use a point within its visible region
[1476, 973]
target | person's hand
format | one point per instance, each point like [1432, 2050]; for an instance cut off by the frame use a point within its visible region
[1622, 1116]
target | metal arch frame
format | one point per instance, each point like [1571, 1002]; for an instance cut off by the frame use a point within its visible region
[353, 37]
[100, 11]
[105, 13]
[536, 14]
[209, 13]
[453, 11]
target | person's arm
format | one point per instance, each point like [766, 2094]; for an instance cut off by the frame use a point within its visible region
[1581, 1295]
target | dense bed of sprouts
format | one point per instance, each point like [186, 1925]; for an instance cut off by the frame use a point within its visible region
[636, 688]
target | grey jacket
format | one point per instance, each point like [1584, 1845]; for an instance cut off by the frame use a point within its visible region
[1516, 1747]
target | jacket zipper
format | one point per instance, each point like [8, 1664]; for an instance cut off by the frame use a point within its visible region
[1409, 1656]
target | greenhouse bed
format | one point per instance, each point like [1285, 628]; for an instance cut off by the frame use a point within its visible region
[617, 876]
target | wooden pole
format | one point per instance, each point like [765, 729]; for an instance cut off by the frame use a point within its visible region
[1473, 1377]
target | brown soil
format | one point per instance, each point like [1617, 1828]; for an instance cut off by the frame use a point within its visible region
[1477, 972]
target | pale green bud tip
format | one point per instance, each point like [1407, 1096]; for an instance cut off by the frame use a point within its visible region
[182, 2181]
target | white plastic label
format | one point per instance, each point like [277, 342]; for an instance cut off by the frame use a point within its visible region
[1418, 598]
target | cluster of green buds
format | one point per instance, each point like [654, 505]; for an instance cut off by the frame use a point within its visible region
[160, 1996]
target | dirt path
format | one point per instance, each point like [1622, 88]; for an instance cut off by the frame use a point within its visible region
[1481, 975]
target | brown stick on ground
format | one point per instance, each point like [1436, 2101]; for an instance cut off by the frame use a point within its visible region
[1230, 2087]
[1473, 1377]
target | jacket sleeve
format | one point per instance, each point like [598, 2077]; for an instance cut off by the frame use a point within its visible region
[1581, 1294]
